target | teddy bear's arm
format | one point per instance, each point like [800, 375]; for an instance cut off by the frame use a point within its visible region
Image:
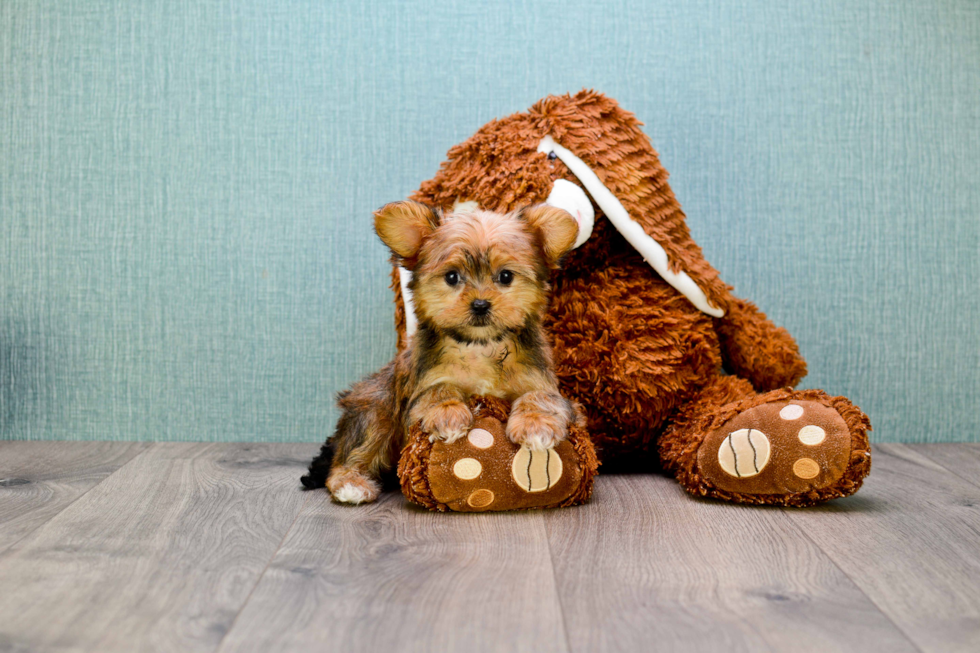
[756, 349]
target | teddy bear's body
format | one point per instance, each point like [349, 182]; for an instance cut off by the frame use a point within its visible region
[656, 369]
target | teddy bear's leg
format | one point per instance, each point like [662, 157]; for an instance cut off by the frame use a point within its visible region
[756, 349]
[784, 447]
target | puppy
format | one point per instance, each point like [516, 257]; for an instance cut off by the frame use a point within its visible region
[480, 286]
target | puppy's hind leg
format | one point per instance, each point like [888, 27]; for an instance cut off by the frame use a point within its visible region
[356, 477]
[349, 485]
[365, 442]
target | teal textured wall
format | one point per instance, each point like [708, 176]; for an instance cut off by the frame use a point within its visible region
[186, 190]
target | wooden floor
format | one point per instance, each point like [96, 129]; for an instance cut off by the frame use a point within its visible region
[213, 547]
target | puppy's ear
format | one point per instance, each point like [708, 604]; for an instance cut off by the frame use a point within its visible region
[404, 226]
[556, 228]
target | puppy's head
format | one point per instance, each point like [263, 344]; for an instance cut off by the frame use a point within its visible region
[477, 275]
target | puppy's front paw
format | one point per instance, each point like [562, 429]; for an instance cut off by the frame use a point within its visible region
[449, 421]
[539, 421]
[535, 430]
[351, 486]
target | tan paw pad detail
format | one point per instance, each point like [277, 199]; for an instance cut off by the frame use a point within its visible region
[744, 453]
[811, 435]
[480, 499]
[467, 468]
[536, 471]
[791, 412]
[480, 438]
[806, 468]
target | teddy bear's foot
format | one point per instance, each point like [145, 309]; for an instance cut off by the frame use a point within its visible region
[777, 448]
[801, 449]
[487, 470]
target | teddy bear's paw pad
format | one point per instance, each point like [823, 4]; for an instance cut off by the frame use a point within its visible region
[783, 447]
[480, 438]
[744, 453]
[536, 471]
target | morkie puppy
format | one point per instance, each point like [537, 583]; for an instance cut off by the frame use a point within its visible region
[480, 286]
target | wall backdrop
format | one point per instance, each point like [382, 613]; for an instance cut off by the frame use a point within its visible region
[186, 190]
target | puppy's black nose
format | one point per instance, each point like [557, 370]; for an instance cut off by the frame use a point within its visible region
[480, 307]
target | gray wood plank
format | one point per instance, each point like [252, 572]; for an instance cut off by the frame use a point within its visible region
[647, 566]
[39, 479]
[159, 556]
[910, 539]
[963, 459]
[394, 577]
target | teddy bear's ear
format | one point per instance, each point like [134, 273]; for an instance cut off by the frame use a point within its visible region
[556, 227]
[646, 235]
[404, 226]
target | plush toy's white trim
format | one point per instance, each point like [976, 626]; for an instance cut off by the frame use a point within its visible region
[570, 197]
[465, 207]
[651, 251]
[411, 323]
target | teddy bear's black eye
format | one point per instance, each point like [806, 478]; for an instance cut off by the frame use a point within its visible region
[452, 277]
[552, 156]
[505, 277]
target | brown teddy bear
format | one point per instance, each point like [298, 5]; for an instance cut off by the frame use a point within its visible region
[647, 337]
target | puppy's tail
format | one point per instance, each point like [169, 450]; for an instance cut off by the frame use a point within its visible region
[319, 468]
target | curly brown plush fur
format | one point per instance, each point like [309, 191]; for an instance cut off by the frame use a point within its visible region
[647, 366]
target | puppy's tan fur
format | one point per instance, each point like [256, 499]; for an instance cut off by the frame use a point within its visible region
[458, 261]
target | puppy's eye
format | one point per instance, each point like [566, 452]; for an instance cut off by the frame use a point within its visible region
[452, 277]
[505, 277]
